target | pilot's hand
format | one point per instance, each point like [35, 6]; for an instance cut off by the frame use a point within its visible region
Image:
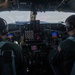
[59, 49]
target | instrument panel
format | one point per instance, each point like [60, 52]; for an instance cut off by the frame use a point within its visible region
[37, 41]
[36, 32]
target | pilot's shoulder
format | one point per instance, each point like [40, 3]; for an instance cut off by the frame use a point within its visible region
[12, 44]
[66, 41]
[63, 44]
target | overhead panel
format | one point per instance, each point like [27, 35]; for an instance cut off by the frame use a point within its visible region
[71, 3]
[36, 5]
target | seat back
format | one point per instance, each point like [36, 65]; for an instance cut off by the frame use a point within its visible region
[8, 63]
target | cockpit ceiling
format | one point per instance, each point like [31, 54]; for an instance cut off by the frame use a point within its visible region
[38, 5]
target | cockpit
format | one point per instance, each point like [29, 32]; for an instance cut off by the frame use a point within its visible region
[38, 27]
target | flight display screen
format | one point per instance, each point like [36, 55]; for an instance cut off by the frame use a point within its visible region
[34, 47]
[54, 34]
[9, 35]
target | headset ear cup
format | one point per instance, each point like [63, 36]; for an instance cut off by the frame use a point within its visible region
[4, 31]
[69, 27]
[3, 26]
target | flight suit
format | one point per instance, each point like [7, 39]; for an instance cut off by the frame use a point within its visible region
[65, 58]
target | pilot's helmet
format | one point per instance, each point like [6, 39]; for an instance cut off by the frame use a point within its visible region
[3, 26]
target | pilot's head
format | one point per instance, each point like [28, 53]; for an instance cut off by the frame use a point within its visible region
[3, 28]
[70, 25]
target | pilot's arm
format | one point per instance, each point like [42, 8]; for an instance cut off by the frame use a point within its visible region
[65, 52]
[55, 56]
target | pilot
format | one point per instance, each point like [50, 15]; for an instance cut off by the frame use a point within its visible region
[4, 45]
[65, 55]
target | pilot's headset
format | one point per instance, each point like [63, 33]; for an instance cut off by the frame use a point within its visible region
[69, 26]
[3, 27]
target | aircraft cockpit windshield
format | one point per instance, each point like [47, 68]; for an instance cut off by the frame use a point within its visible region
[25, 16]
